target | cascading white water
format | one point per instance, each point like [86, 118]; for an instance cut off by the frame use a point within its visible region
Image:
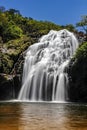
[44, 74]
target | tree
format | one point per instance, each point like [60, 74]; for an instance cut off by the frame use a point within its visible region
[2, 9]
[70, 27]
[14, 11]
[3, 24]
[83, 24]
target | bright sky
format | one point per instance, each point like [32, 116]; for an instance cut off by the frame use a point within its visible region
[58, 11]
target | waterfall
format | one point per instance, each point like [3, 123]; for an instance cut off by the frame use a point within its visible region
[45, 68]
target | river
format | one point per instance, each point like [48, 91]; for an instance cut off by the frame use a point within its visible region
[43, 116]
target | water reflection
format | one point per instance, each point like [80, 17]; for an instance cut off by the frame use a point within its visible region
[42, 116]
[9, 116]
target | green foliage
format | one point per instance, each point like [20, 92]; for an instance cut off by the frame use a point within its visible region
[13, 25]
[19, 43]
[6, 63]
[81, 52]
[12, 32]
[8, 29]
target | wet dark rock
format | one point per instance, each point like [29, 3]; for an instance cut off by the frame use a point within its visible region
[9, 86]
[6, 88]
[78, 81]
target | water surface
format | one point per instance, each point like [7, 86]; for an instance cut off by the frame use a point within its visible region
[43, 116]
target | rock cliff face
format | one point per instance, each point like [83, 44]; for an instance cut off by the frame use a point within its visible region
[10, 84]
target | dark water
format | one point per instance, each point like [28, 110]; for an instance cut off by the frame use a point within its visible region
[43, 116]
